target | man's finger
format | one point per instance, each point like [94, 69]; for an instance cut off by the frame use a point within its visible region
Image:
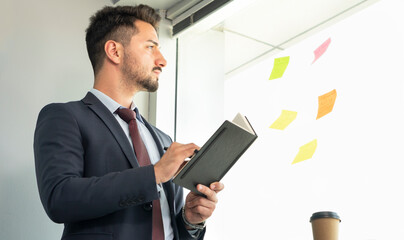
[200, 201]
[210, 194]
[188, 149]
[201, 212]
[217, 186]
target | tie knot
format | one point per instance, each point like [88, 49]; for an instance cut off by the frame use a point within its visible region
[126, 114]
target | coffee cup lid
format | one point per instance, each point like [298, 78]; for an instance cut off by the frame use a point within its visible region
[324, 214]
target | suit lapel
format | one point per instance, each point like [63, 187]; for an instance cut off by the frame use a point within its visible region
[109, 120]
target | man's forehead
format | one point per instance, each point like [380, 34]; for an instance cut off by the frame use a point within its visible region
[146, 32]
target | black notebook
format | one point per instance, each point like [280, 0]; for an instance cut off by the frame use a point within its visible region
[217, 155]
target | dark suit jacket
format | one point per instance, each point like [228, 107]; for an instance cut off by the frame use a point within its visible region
[89, 179]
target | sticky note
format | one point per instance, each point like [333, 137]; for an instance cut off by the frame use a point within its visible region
[326, 103]
[306, 151]
[284, 120]
[280, 65]
[321, 50]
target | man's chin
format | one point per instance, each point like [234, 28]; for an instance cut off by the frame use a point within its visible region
[149, 85]
[152, 88]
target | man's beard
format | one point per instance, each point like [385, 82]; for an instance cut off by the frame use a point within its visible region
[147, 83]
[135, 75]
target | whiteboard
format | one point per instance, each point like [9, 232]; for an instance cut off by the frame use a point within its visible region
[357, 167]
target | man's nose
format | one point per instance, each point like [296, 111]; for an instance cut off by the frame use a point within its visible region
[160, 60]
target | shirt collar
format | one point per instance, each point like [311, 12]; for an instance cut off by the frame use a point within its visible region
[112, 105]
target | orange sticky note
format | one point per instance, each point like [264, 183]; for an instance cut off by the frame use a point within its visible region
[321, 50]
[326, 103]
[306, 151]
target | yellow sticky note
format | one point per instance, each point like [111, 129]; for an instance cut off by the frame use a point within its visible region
[326, 103]
[306, 151]
[279, 68]
[284, 120]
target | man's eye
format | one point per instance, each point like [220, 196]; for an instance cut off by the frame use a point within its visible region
[151, 47]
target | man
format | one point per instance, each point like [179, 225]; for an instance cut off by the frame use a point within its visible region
[90, 176]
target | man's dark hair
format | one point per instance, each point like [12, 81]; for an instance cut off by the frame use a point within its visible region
[115, 23]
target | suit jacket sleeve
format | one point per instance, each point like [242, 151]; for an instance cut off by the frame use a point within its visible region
[66, 193]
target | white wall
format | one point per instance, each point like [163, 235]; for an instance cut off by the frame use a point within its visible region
[357, 167]
[43, 59]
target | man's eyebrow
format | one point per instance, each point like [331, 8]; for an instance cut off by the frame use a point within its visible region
[154, 42]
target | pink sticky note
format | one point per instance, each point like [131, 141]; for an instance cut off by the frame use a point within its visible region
[321, 50]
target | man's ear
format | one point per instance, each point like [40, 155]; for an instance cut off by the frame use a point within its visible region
[114, 51]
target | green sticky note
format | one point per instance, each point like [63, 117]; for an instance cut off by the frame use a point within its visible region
[280, 65]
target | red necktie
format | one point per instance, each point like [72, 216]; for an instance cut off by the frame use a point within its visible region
[129, 116]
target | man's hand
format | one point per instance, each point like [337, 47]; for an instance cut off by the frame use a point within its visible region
[199, 208]
[172, 160]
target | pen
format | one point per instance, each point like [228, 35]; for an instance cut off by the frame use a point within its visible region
[195, 151]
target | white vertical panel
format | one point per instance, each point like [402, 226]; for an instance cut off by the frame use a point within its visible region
[200, 86]
[165, 96]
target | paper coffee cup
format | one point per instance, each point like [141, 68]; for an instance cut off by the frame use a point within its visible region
[325, 225]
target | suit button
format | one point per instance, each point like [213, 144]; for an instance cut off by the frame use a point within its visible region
[148, 207]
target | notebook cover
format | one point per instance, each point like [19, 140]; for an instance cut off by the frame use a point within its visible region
[216, 157]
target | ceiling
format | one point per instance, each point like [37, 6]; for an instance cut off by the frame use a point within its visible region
[270, 26]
